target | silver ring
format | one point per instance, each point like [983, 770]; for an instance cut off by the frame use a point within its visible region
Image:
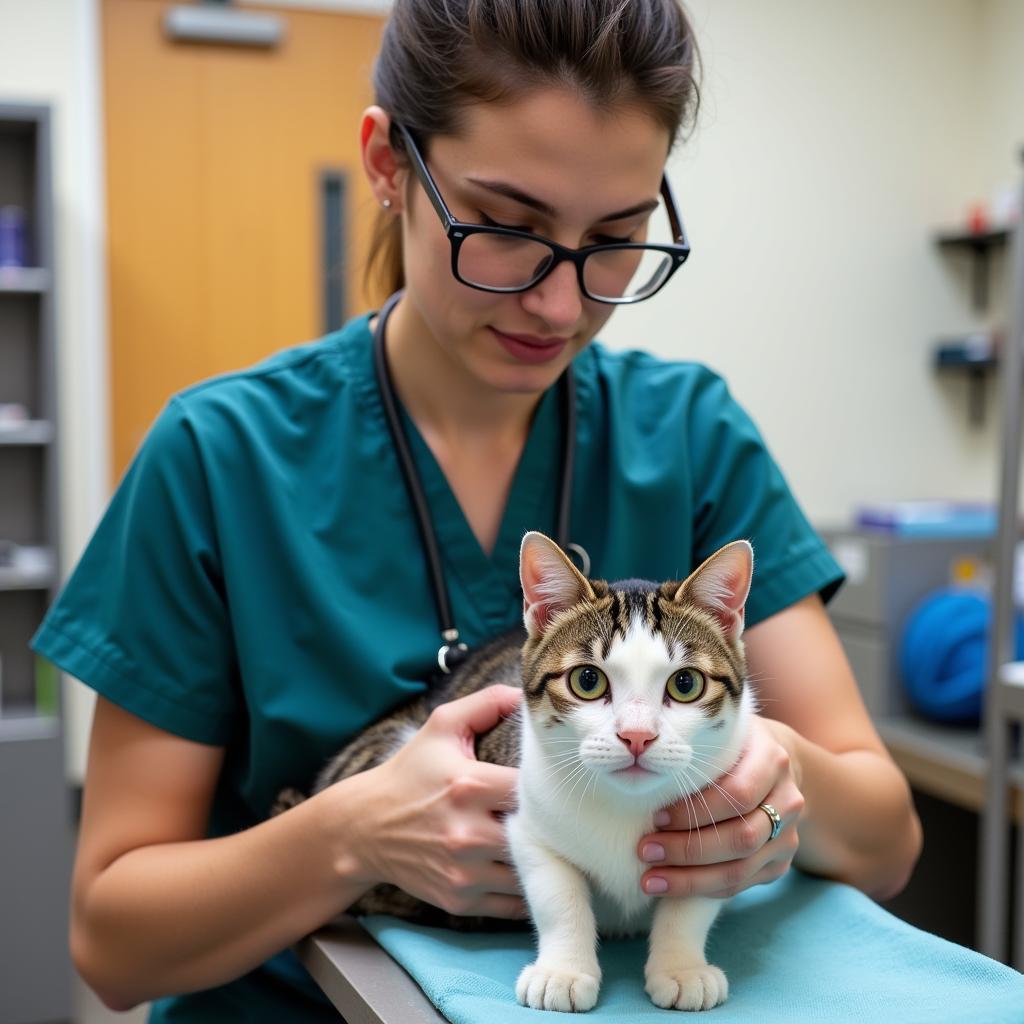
[775, 819]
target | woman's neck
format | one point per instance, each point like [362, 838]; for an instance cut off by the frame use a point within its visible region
[448, 404]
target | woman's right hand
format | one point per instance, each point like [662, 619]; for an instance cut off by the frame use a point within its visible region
[431, 814]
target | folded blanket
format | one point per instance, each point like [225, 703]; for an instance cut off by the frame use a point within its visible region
[798, 950]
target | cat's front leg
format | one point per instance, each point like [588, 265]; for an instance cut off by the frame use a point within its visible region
[677, 973]
[565, 976]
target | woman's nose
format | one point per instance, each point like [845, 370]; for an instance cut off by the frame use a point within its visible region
[637, 740]
[557, 300]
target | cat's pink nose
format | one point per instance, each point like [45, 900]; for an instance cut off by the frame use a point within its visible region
[637, 741]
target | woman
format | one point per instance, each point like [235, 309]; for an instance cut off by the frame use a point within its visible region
[256, 593]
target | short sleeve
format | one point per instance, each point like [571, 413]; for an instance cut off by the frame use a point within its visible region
[142, 619]
[740, 492]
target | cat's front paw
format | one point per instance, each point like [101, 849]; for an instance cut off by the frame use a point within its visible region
[688, 988]
[557, 987]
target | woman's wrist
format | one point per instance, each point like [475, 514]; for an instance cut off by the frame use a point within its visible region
[859, 824]
[343, 814]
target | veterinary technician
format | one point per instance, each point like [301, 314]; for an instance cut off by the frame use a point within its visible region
[257, 591]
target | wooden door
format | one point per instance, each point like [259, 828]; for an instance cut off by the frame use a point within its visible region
[214, 158]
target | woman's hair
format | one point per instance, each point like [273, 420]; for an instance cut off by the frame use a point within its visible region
[439, 56]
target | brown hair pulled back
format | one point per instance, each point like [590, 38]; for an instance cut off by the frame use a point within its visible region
[439, 56]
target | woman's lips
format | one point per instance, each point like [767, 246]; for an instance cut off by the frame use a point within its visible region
[530, 349]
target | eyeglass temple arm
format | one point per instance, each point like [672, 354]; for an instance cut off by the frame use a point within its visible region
[678, 231]
[420, 167]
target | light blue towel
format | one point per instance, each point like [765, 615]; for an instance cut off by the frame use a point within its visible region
[798, 951]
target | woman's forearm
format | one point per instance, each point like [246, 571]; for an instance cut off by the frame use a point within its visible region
[178, 917]
[859, 824]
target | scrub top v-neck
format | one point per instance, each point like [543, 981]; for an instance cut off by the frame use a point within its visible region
[490, 581]
[257, 581]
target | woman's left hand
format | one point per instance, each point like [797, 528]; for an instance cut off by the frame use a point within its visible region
[716, 842]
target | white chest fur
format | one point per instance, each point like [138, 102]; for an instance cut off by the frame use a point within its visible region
[598, 830]
[602, 845]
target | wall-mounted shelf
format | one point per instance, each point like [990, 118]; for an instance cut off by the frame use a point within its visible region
[24, 280]
[31, 432]
[979, 246]
[966, 357]
[33, 568]
[975, 356]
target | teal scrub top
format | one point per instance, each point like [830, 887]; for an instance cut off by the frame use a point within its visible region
[258, 581]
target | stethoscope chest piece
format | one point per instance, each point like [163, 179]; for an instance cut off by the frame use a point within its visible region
[452, 653]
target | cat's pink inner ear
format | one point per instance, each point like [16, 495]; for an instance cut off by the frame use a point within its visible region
[551, 583]
[722, 584]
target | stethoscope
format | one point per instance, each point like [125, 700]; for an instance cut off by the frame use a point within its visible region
[453, 651]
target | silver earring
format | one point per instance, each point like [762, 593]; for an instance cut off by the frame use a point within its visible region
[386, 203]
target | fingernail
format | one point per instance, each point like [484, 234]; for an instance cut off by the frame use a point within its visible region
[653, 852]
[655, 885]
[662, 818]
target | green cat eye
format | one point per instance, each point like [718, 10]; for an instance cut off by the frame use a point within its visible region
[587, 682]
[686, 686]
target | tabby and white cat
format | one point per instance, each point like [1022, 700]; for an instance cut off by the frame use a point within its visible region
[635, 697]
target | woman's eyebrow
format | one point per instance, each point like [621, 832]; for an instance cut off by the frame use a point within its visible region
[515, 194]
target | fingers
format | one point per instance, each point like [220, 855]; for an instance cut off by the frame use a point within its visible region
[725, 798]
[478, 712]
[479, 786]
[493, 877]
[739, 791]
[497, 905]
[725, 879]
[714, 844]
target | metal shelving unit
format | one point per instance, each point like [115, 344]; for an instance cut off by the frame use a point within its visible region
[35, 805]
[1004, 703]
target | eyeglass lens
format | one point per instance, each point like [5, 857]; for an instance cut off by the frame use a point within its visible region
[501, 261]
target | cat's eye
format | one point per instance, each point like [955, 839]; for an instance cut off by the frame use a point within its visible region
[686, 685]
[587, 682]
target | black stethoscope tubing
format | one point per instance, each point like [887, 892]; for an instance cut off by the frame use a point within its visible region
[452, 651]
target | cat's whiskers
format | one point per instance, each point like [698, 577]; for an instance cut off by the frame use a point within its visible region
[713, 764]
[711, 782]
[558, 761]
[593, 777]
[688, 792]
[557, 765]
[577, 773]
[700, 793]
[584, 775]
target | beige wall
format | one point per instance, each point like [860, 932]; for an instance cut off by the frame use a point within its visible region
[835, 138]
[1001, 74]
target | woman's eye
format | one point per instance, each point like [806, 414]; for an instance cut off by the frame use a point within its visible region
[588, 682]
[491, 223]
[611, 240]
[686, 686]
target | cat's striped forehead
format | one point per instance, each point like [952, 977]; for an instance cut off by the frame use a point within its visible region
[588, 631]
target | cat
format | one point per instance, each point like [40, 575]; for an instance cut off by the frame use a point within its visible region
[635, 696]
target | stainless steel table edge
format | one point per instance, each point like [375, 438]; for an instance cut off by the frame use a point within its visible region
[361, 979]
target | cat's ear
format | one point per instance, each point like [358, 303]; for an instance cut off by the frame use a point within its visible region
[551, 583]
[721, 585]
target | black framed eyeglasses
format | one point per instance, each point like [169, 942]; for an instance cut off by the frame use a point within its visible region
[499, 259]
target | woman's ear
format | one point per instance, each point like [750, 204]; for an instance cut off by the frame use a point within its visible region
[383, 171]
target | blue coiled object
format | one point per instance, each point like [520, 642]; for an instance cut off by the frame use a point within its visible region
[944, 654]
